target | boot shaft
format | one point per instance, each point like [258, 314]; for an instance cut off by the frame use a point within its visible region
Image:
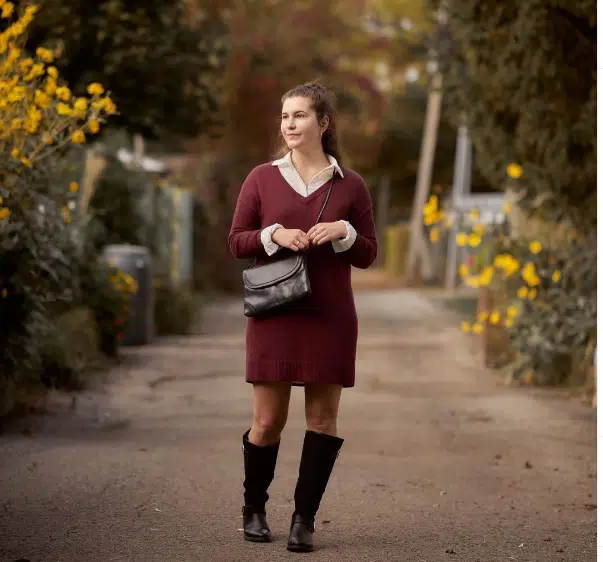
[319, 453]
[259, 463]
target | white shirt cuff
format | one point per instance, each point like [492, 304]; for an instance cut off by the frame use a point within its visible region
[266, 238]
[345, 243]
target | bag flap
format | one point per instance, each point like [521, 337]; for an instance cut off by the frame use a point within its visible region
[272, 273]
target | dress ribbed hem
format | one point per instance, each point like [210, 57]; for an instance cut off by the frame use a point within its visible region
[300, 374]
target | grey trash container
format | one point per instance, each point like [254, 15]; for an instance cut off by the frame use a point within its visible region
[137, 262]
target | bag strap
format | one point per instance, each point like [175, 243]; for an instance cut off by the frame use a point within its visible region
[326, 200]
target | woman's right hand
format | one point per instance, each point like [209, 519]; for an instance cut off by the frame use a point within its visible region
[294, 238]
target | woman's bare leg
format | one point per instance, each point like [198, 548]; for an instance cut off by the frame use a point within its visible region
[270, 411]
[322, 407]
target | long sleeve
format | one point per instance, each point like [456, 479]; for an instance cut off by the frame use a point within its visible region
[345, 243]
[363, 251]
[270, 246]
[244, 239]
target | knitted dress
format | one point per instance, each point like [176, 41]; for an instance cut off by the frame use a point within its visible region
[314, 339]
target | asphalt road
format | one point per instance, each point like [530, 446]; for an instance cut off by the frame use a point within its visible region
[442, 461]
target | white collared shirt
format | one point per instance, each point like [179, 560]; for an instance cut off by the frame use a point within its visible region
[292, 177]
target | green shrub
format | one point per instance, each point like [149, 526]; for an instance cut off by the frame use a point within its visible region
[176, 310]
[70, 350]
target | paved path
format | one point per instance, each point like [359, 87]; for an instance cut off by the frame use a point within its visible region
[442, 462]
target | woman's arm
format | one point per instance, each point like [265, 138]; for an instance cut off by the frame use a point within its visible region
[363, 252]
[244, 239]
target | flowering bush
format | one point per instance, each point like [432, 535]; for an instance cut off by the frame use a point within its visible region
[107, 291]
[549, 292]
[40, 119]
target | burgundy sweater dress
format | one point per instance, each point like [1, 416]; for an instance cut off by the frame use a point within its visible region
[314, 339]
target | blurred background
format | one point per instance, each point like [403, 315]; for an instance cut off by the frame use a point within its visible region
[127, 128]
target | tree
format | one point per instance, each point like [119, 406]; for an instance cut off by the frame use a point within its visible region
[524, 75]
[160, 60]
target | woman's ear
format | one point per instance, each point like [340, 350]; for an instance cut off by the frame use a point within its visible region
[324, 124]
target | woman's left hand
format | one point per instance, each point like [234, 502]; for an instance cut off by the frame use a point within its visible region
[327, 232]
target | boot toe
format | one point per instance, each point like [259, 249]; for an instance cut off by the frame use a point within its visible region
[300, 536]
[255, 527]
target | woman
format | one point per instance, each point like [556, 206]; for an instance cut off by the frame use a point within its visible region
[314, 343]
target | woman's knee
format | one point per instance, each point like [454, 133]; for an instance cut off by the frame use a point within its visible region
[322, 406]
[267, 428]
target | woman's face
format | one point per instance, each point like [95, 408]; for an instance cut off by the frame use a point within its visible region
[299, 125]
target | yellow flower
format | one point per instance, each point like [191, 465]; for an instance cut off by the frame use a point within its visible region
[78, 137]
[434, 234]
[507, 208]
[96, 89]
[523, 293]
[532, 294]
[52, 71]
[73, 187]
[47, 138]
[463, 270]
[41, 99]
[63, 93]
[44, 54]
[514, 171]
[80, 104]
[508, 322]
[535, 247]
[556, 276]
[108, 106]
[507, 263]
[466, 327]
[486, 276]
[474, 214]
[15, 152]
[472, 281]
[495, 318]
[461, 239]
[479, 229]
[512, 312]
[478, 328]
[27, 162]
[63, 109]
[474, 240]
[93, 126]
[483, 316]
[529, 275]
[25, 65]
[4, 213]
[66, 215]
[8, 9]
[51, 86]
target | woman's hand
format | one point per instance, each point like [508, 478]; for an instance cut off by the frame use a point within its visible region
[294, 238]
[327, 232]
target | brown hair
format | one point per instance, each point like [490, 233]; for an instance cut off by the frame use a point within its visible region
[323, 103]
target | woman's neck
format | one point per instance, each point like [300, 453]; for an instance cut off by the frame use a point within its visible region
[312, 160]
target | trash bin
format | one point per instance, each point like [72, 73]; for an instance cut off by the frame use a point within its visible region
[136, 261]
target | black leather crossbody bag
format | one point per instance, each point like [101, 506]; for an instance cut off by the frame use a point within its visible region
[273, 285]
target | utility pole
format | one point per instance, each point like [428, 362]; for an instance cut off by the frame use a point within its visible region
[418, 246]
[382, 219]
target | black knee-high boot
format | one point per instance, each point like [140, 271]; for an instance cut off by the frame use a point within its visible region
[259, 465]
[318, 458]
